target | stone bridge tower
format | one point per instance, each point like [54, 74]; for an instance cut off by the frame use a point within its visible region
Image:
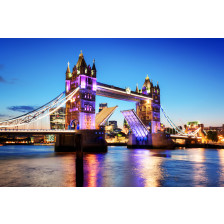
[149, 111]
[80, 110]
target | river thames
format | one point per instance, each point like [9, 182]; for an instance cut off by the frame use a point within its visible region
[40, 166]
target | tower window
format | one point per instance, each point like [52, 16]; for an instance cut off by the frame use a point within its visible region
[89, 80]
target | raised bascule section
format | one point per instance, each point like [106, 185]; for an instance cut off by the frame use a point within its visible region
[136, 125]
[103, 116]
[141, 137]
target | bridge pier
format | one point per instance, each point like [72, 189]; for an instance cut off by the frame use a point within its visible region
[79, 161]
[155, 140]
[92, 141]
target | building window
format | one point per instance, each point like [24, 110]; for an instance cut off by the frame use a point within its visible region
[90, 108]
[85, 107]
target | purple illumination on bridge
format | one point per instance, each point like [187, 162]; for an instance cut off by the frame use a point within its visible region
[137, 127]
[68, 85]
[94, 84]
[83, 81]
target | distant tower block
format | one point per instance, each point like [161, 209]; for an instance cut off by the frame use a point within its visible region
[80, 110]
[149, 111]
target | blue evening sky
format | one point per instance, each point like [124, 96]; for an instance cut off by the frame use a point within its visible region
[190, 73]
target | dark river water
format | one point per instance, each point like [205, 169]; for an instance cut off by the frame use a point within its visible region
[40, 166]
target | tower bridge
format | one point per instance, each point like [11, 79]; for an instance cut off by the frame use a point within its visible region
[81, 89]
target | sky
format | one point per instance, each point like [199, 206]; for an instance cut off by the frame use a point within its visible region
[190, 73]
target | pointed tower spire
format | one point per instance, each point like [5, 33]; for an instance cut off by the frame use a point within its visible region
[81, 62]
[147, 84]
[68, 69]
[93, 71]
[94, 66]
[68, 73]
[137, 90]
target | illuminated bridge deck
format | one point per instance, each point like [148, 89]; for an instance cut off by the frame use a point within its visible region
[119, 93]
[184, 137]
[35, 131]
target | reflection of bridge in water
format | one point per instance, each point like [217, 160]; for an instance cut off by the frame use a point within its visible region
[79, 100]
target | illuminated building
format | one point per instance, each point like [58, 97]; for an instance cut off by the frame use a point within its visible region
[149, 111]
[57, 119]
[192, 126]
[102, 105]
[126, 128]
[220, 130]
[113, 124]
[80, 110]
[49, 138]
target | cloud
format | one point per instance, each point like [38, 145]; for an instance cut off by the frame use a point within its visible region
[22, 108]
[2, 79]
[12, 81]
[2, 115]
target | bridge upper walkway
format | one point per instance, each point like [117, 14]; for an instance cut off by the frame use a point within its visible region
[120, 93]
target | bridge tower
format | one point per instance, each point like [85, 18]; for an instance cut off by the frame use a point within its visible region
[149, 111]
[80, 110]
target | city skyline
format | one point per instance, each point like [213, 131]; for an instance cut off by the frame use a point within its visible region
[189, 72]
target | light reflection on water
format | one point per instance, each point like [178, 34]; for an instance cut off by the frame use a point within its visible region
[41, 166]
[221, 163]
[199, 170]
[92, 173]
[148, 167]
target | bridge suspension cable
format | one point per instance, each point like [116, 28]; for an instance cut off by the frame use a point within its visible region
[172, 123]
[39, 113]
[177, 128]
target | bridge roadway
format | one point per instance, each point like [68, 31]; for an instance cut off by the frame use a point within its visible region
[184, 137]
[59, 131]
